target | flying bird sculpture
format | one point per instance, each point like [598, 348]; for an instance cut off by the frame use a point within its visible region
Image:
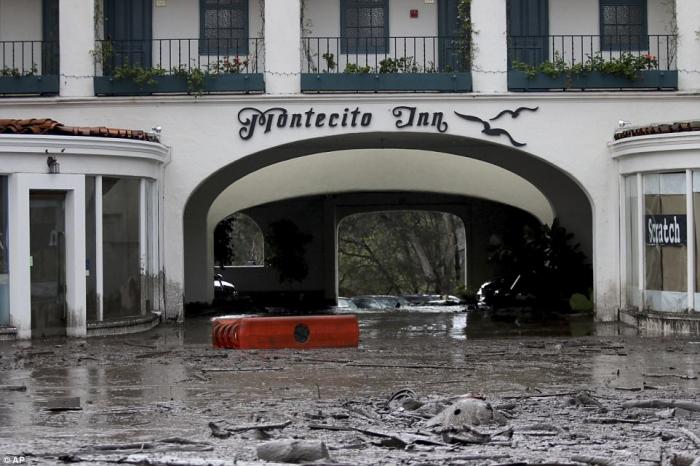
[488, 130]
[514, 113]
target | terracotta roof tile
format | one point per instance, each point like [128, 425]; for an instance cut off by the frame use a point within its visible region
[661, 128]
[48, 126]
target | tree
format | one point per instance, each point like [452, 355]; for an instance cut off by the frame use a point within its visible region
[401, 252]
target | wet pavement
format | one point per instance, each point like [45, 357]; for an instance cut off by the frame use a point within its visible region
[148, 398]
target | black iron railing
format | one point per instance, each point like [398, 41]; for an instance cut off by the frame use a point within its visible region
[25, 58]
[174, 56]
[415, 54]
[593, 52]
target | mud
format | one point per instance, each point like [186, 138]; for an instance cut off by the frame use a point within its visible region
[149, 398]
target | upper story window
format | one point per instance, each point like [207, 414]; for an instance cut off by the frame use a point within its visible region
[364, 26]
[623, 24]
[223, 27]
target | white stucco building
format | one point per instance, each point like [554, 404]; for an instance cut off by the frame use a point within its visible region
[250, 102]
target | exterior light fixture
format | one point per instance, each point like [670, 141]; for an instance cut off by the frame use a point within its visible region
[54, 166]
[623, 124]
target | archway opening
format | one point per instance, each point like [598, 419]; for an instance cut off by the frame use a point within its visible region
[376, 163]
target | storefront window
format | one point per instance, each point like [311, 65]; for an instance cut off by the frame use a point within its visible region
[90, 250]
[666, 251]
[120, 244]
[632, 235]
[696, 217]
[4, 256]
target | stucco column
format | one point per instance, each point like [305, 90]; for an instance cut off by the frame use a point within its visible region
[282, 46]
[77, 39]
[489, 46]
[688, 18]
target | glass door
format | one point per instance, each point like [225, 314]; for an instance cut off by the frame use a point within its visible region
[47, 263]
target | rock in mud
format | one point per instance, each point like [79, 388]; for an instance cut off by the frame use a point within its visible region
[467, 412]
[292, 451]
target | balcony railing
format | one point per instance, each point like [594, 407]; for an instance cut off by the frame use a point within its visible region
[29, 67]
[592, 62]
[178, 66]
[396, 64]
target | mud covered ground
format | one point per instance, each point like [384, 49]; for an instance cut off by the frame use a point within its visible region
[149, 398]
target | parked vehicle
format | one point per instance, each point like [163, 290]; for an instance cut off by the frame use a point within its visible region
[346, 303]
[507, 291]
[223, 290]
[379, 302]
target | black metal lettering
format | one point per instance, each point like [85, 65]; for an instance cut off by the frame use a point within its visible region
[398, 113]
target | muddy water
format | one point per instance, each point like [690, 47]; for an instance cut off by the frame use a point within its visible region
[169, 382]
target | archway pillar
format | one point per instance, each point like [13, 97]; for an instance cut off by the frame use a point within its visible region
[606, 252]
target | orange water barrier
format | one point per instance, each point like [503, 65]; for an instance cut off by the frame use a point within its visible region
[303, 332]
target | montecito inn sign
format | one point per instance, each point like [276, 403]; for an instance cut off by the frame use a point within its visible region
[254, 120]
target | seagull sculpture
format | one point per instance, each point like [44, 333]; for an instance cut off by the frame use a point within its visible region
[488, 130]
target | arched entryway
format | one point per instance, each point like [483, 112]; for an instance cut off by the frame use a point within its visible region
[564, 196]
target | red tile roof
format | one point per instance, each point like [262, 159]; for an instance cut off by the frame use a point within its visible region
[663, 128]
[48, 126]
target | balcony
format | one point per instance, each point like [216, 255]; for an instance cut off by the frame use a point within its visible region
[29, 67]
[592, 62]
[388, 64]
[179, 66]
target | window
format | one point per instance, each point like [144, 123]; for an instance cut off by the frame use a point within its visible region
[364, 26]
[223, 27]
[623, 24]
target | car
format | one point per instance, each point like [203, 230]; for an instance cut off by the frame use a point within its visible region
[379, 302]
[505, 291]
[223, 290]
[346, 303]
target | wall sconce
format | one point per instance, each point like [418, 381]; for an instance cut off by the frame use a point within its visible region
[54, 166]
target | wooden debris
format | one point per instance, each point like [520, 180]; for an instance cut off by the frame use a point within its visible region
[13, 388]
[279, 425]
[691, 435]
[610, 420]
[292, 451]
[595, 460]
[661, 404]
[409, 366]
[679, 376]
[241, 369]
[537, 395]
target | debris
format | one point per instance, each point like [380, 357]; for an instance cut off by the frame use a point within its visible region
[64, 404]
[280, 425]
[467, 412]
[666, 413]
[241, 369]
[595, 460]
[218, 432]
[292, 451]
[154, 354]
[409, 366]
[679, 376]
[691, 435]
[610, 420]
[537, 395]
[680, 459]
[660, 404]
[13, 388]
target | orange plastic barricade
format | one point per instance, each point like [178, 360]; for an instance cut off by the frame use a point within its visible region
[302, 332]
